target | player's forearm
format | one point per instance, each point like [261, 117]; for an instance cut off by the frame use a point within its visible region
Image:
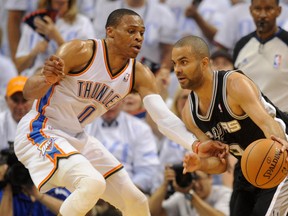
[168, 123]
[35, 87]
[213, 165]
[273, 128]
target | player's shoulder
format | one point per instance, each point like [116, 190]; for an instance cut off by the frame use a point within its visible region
[76, 50]
[142, 69]
[77, 44]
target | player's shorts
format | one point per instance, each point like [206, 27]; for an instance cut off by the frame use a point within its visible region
[39, 147]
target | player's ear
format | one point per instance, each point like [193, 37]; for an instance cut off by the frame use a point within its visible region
[205, 62]
[110, 32]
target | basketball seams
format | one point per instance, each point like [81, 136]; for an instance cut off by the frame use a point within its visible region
[256, 167]
[247, 161]
[278, 166]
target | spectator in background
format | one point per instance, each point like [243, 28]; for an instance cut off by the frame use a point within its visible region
[18, 195]
[200, 197]
[4, 47]
[262, 54]
[7, 72]
[198, 17]
[133, 105]
[33, 48]
[238, 22]
[17, 9]
[160, 28]
[221, 60]
[17, 108]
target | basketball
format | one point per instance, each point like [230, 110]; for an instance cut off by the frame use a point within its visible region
[263, 164]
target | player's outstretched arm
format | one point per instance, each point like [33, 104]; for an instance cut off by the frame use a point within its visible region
[168, 123]
[70, 56]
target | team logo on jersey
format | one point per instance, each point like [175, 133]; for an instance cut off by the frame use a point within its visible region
[46, 146]
[277, 61]
[127, 75]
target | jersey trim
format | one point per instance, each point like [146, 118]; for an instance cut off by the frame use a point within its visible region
[209, 112]
[45, 101]
[56, 162]
[89, 63]
[46, 145]
[106, 60]
[224, 90]
[112, 171]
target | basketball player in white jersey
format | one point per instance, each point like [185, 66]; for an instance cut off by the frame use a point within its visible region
[81, 82]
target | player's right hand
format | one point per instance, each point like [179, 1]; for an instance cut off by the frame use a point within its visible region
[281, 141]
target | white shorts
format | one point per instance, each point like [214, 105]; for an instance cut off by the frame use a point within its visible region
[39, 147]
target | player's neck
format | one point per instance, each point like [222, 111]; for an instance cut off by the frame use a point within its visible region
[115, 59]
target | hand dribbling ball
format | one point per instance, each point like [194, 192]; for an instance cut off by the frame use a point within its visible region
[263, 164]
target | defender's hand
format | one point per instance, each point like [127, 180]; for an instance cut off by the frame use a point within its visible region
[211, 148]
[191, 162]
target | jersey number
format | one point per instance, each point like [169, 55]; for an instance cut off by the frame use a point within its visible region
[236, 150]
[86, 113]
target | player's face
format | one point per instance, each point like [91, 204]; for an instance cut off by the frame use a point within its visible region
[187, 67]
[128, 35]
[264, 13]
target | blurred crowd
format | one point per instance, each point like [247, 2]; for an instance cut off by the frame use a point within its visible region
[32, 30]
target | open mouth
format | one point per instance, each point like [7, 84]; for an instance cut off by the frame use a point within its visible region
[137, 48]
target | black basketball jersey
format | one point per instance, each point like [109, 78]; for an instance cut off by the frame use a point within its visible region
[221, 124]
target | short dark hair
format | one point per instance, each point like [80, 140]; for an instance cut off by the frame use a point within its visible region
[116, 15]
[198, 45]
[277, 2]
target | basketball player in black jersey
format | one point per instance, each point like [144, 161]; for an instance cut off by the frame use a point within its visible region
[227, 106]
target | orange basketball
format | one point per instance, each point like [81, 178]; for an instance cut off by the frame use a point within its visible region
[263, 164]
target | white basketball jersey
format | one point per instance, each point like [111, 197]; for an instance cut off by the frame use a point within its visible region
[82, 96]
